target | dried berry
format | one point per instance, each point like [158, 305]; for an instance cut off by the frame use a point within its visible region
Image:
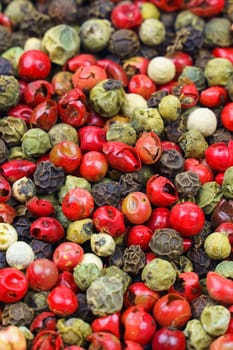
[18, 314]
[47, 177]
[166, 243]
[106, 193]
[133, 259]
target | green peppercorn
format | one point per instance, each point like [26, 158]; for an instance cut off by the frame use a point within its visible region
[217, 246]
[105, 295]
[152, 32]
[61, 42]
[95, 34]
[74, 331]
[17, 10]
[13, 55]
[195, 74]
[196, 336]
[225, 268]
[227, 185]
[218, 71]
[218, 32]
[123, 132]
[159, 274]
[147, 119]
[193, 144]
[187, 18]
[62, 132]
[85, 274]
[35, 142]
[12, 129]
[107, 97]
[10, 92]
[209, 196]
[119, 273]
[149, 10]
[71, 182]
[170, 107]
[89, 258]
[215, 319]
[80, 231]
[33, 43]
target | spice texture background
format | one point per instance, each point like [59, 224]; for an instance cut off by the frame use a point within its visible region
[116, 175]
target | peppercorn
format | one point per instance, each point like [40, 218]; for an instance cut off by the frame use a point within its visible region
[124, 43]
[215, 319]
[199, 239]
[132, 102]
[23, 189]
[123, 132]
[218, 71]
[19, 255]
[4, 152]
[41, 249]
[133, 259]
[217, 246]
[106, 193]
[22, 226]
[224, 268]
[102, 244]
[202, 263]
[80, 231]
[147, 119]
[195, 74]
[5, 39]
[151, 32]
[17, 11]
[47, 177]
[161, 70]
[61, 12]
[72, 182]
[37, 300]
[62, 132]
[187, 183]
[198, 305]
[18, 314]
[171, 163]
[170, 107]
[85, 274]
[193, 144]
[119, 273]
[166, 243]
[186, 18]
[95, 34]
[8, 235]
[218, 32]
[209, 196]
[196, 336]
[74, 331]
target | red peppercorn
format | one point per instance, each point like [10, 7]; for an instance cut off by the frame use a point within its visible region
[47, 339]
[109, 219]
[62, 301]
[66, 154]
[86, 77]
[66, 278]
[77, 204]
[40, 207]
[142, 85]
[67, 255]
[91, 138]
[47, 229]
[33, 65]
[13, 285]
[21, 111]
[7, 213]
[82, 59]
[38, 91]
[42, 274]
[16, 169]
[213, 96]
[45, 320]
[44, 115]
[126, 16]
[5, 190]
[114, 70]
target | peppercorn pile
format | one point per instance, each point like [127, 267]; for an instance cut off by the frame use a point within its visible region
[116, 175]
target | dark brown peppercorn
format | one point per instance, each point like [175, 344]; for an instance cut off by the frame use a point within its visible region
[100, 9]
[199, 239]
[117, 257]
[41, 249]
[84, 312]
[22, 226]
[171, 163]
[17, 314]
[198, 305]
[220, 135]
[63, 11]
[106, 193]
[48, 178]
[124, 43]
[200, 260]
[202, 57]
[130, 182]
[187, 183]
[3, 262]
[6, 68]
[133, 259]
[175, 129]
[5, 39]
[4, 152]
[35, 24]
[166, 243]
[222, 213]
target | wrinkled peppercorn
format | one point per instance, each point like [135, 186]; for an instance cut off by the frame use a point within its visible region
[198, 305]
[166, 243]
[48, 178]
[130, 182]
[124, 43]
[171, 163]
[200, 260]
[133, 259]
[18, 314]
[41, 249]
[106, 193]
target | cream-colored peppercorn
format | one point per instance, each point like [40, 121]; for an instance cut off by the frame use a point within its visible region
[217, 246]
[161, 70]
[131, 102]
[202, 119]
[92, 258]
[102, 244]
[23, 189]
[8, 235]
[215, 319]
[19, 255]
[32, 43]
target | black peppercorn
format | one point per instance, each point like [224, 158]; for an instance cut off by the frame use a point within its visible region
[17, 314]
[5, 39]
[166, 243]
[133, 259]
[48, 178]
[4, 152]
[41, 249]
[22, 226]
[63, 11]
[200, 260]
[198, 305]
[124, 43]
[130, 182]
[171, 163]
[106, 193]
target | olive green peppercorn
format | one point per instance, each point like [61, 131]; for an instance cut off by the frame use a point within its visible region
[105, 295]
[74, 331]
[215, 319]
[218, 71]
[193, 144]
[159, 274]
[209, 195]
[62, 132]
[196, 336]
[18, 314]
[147, 119]
[95, 34]
[227, 184]
[35, 142]
[170, 107]
[10, 92]
[17, 10]
[218, 32]
[123, 132]
[61, 42]
[85, 274]
[152, 32]
[217, 246]
[12, 129]
[187, 18]
[107, 97]
[119, 273]
[195, 74]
